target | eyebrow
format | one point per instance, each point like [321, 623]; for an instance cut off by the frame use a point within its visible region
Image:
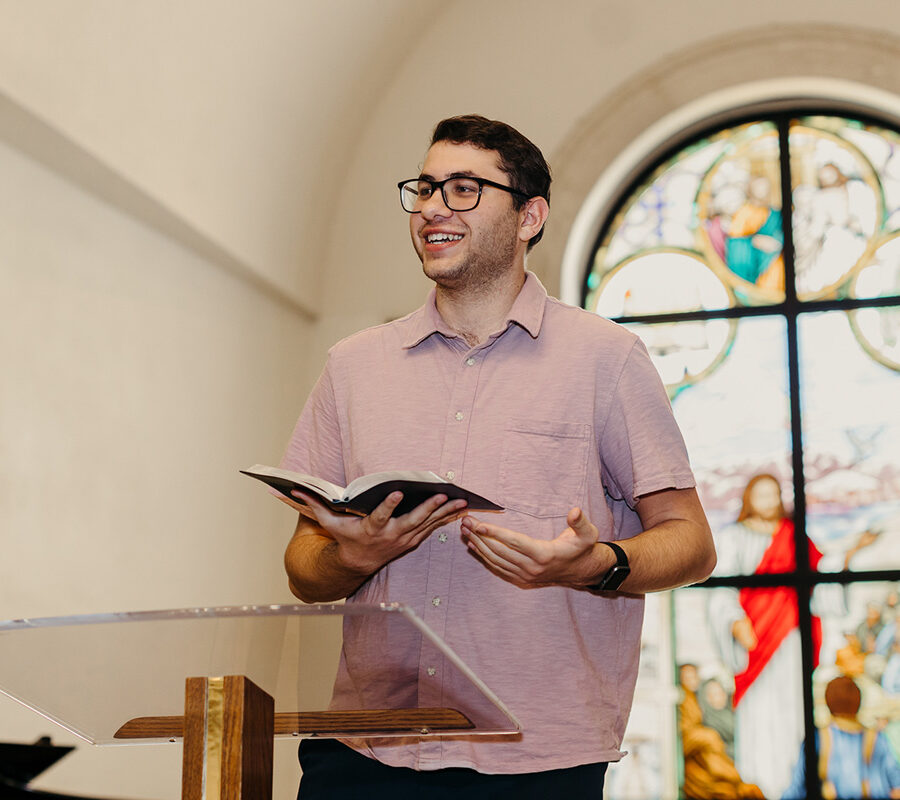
[465, 173]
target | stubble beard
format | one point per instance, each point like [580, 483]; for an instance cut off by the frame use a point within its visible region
[494, 259]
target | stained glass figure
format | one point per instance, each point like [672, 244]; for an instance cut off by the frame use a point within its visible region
[837, 209]
[741, 687]
[687, 207]
[856, 690]
[739, 207]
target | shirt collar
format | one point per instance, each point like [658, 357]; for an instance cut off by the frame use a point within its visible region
[527, 311]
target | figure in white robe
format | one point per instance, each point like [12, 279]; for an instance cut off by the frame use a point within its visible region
[755, 632]
[769, 713]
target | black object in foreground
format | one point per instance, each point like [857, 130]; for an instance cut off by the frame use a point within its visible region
[21, 763]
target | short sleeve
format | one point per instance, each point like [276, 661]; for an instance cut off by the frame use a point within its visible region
[641, 447]
[315, 446]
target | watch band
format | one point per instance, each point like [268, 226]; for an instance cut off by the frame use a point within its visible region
[616, 574]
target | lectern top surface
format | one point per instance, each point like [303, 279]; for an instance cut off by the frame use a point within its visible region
[94, 673]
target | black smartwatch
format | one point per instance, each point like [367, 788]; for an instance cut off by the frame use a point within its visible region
[617, 573]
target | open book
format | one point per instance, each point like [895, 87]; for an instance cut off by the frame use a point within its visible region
[365, 493]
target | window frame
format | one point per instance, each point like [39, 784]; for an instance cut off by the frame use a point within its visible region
[804, 579]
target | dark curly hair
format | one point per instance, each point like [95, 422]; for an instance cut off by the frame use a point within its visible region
[520, 158]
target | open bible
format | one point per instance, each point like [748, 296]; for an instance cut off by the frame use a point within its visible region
[363, 495]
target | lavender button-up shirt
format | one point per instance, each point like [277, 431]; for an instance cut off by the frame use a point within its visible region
[558, 408]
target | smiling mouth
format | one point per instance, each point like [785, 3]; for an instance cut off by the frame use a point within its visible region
[442, 238]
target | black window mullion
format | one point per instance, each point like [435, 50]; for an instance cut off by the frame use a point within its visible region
[803, 577]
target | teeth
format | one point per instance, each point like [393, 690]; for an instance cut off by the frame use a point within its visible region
[443, 237]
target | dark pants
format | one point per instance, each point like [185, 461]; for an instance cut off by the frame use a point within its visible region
[333, 771]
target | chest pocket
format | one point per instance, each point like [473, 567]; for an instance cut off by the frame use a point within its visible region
[543, 466]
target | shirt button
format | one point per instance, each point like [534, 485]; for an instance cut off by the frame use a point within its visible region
[435, 601]
[458, 415]
[470, 362]
[431, 671]
[442, 537]
[450, 474]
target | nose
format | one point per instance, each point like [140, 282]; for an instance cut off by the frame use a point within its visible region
[435, 207]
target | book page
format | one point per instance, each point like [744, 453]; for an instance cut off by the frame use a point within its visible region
[366, 482]
[320, 486]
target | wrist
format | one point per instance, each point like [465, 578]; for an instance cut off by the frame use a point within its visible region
[600, 560]
[616, 570]
[353, 567]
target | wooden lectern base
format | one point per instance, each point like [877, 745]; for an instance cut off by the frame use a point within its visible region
[229, 727]
[228, 746]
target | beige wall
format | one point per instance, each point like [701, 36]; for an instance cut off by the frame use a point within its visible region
[196, 199]
[138, 379]
[214, 107]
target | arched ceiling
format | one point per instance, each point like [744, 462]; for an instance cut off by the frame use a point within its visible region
[267, 134]
[233, 116]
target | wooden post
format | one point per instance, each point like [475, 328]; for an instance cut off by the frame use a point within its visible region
[228, 740]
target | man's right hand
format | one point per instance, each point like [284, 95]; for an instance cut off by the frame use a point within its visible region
[366, 544]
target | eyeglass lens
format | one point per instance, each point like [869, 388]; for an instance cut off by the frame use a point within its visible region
[460, 194]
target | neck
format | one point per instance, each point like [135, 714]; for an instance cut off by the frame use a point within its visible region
[847, 722]
[476, 312]
[762, 525]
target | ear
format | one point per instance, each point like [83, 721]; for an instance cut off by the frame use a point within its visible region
[532, 218]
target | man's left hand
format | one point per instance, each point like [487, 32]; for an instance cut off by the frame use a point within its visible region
[569, 559]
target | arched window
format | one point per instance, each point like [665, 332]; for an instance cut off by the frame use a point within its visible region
[776, 328]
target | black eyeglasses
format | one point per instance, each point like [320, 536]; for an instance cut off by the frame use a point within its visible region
[460, 194]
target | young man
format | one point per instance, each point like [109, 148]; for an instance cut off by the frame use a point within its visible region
[552, 412]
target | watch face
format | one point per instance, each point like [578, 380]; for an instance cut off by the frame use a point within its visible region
[615, 576]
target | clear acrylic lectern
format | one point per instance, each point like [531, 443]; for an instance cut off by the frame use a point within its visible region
[227, 680]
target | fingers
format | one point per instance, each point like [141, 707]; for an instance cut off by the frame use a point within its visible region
[510, 544]
[582, 526]
[310, 506]
[495, 552]
[534, 562]
[382, 514]
[297, 506]
[511, 565]
[509, 554]
[493, 561]
[431, 514]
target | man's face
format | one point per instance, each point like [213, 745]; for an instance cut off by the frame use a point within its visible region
[465, 249]
[689, 677]
[765, 499]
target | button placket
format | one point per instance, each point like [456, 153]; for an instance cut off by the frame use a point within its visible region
[461, 401]
[458, 418]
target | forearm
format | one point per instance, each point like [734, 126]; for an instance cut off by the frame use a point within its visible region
[672, 554]
[315, 571]
[675, 549]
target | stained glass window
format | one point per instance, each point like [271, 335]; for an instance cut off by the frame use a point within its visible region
[775, 326]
